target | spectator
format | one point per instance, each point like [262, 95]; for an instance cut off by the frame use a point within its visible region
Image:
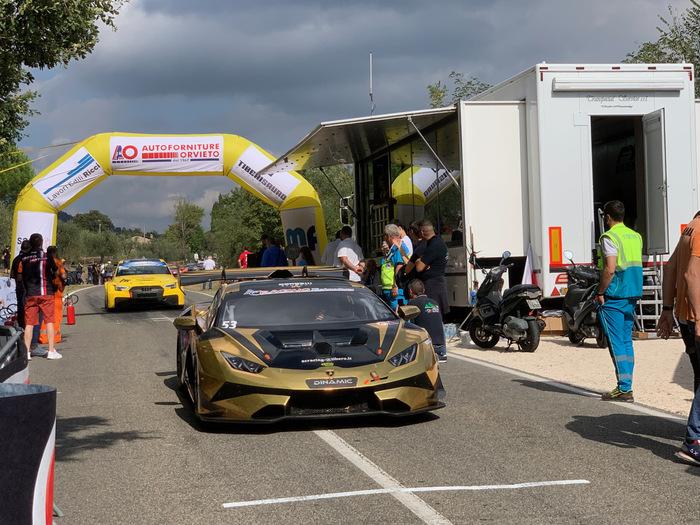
[264, 242]
[6, 259]
[306, 257]
[273, 255]
[675, 292]
[349, 254]
[79, 272]
[430, 317]
[209, 263]
[370, 274]
[405, 239]
[619, 289]
[683, 285]
[59, 283]
[429, 261]
[391, 264]
[328, 257]
[19, 284]
[38, 272]
[243, 257]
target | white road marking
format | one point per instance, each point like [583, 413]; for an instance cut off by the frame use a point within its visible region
[405, 490]
[563, 386]
[417, 506]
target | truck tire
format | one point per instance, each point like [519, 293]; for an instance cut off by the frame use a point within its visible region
[532, 341]
[481, 337]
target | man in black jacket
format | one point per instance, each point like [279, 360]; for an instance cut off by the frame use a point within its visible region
[430, 261]
[19, 284]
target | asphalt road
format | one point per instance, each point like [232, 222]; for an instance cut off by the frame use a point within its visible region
[128, 451]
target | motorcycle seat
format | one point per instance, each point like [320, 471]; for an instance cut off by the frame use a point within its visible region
[520, 288]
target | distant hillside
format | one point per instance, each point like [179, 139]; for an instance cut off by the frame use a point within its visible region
[63, 216]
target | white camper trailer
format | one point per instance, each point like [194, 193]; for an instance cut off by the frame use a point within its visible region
[526, 163]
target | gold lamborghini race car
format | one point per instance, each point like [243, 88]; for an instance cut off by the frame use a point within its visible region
[303, 347]
[143, 280]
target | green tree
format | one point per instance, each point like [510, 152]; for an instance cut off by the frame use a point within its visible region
[335, 178]
[186, 231]
[462, 89]
[13, 180]
[70, 241]
[238, 220]
[94, 221]
[102, 245]
[679, 41]
[5, 224]
[42, 34]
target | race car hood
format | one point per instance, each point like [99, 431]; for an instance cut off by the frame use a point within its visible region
[308, 348]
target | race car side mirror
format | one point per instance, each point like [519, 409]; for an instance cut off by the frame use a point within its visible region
[185, 322]
[408, 312]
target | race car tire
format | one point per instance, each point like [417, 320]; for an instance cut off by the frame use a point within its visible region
[178, 365]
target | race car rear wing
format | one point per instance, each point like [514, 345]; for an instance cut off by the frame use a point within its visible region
[254, 274]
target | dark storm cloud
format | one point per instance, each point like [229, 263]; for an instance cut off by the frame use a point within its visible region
[271, 70]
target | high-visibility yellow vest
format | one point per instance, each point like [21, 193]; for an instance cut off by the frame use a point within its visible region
[628, 278]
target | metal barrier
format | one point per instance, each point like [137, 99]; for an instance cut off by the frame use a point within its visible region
[13, 356]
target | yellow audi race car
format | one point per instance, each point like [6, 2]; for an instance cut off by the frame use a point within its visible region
[309, 347]
[143, 280]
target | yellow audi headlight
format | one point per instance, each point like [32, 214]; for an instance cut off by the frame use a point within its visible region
[170, 286]
[120, 288]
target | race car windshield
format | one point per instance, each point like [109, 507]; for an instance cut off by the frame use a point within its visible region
[142, 268]
[293, 307]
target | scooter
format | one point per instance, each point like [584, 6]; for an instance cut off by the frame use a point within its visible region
[580, 311]
[511, 315]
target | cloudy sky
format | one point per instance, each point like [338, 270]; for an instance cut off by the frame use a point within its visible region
[270, 70]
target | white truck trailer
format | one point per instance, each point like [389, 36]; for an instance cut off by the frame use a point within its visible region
[527, 163]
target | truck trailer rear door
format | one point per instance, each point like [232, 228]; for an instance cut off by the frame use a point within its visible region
[655, 183]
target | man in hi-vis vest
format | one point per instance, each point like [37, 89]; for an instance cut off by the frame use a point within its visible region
[619, 290]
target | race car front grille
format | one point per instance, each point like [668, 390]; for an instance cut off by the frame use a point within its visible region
[320, 403]
[147, 292]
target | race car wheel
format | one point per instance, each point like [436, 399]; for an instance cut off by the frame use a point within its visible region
[178, 363]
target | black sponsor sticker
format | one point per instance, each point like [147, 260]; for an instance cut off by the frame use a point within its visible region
[331, 382]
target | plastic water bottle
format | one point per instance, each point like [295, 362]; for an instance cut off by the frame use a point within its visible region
[472, 297]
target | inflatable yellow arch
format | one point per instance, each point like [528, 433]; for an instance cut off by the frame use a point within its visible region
[416, 187]
[97, 157]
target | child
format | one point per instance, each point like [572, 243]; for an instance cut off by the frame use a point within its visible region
[430, 317]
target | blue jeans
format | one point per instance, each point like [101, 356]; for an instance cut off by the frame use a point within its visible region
[617, 320]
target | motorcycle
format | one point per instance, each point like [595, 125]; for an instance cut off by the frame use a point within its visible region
[580, 311]
[511, 315]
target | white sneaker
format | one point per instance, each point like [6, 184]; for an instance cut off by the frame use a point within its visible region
[29, 356]
[54, 355]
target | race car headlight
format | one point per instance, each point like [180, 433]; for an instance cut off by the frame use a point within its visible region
[405, 357]
[170, 285]
[242, 364]
[120, 288]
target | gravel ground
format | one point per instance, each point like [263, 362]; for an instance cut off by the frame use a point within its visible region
[663, 377]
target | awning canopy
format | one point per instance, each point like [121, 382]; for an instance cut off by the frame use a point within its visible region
[353, 140]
